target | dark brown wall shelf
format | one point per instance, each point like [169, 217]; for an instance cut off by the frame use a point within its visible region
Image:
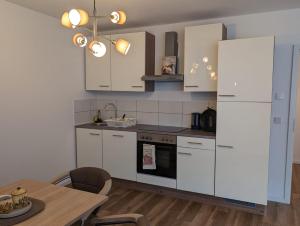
[163, 78]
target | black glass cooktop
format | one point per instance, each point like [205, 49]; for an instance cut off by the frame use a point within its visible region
[168, 129]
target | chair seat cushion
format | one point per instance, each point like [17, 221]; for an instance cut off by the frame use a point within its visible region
[89, 179]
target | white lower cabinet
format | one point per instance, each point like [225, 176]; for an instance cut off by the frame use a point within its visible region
[196, 166]
[242, 153]
[119, 154]
[89, 147]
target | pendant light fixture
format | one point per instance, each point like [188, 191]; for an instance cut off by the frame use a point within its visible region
[77, 18]
[79, 40]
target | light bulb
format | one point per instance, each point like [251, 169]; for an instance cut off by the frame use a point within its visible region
[77, 17]
[98, 49]
[118, 17]
[209, 67]
[122, 46]
[205, 59]
[79, 40]
[74, 17]
[65, 21]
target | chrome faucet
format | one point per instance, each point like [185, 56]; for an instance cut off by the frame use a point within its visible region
[112, 105]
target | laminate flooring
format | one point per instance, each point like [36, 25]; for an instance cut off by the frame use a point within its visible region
[169, 211]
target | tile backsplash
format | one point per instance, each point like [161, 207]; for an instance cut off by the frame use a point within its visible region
[165, 113]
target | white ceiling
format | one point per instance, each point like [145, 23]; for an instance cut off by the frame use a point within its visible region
[150, 12]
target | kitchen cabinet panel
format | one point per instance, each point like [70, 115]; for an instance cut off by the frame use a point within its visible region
[242, 151]
[201, 41]
[98, 69]
[196, 170]
[119, 154]
[126, 71]
[246, 69]
[195, 142]
[89, 148]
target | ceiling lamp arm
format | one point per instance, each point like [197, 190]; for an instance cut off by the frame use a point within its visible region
[95, 29]
[95, 23]
[85, 29]
[98, 17]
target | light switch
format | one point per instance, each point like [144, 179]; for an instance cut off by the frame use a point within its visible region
[277, 120]
[280, 96]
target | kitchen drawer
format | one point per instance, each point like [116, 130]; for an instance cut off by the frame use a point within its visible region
[195, 142]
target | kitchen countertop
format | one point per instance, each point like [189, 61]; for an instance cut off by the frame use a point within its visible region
[154, 129]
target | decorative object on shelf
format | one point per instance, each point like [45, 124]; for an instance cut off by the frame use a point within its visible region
[169, 61]
[77, 18]
[169, 65]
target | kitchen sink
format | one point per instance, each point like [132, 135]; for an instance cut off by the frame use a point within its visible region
[120, 122]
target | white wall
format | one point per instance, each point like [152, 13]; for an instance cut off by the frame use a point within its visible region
[41, 73]
[297, 126]
[284, 25]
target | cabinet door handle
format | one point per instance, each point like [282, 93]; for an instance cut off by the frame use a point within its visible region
[190, 142]
[137, 86]
[226, 95]
[184, 153]
[191, 86]
[115, 135]
[103, 86]
[225, 146]
[95, 134]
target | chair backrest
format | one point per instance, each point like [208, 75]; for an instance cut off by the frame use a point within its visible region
[89, 179]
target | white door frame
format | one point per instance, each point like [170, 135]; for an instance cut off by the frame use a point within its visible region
[291, 127]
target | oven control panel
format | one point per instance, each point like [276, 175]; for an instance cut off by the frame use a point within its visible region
[157, 138]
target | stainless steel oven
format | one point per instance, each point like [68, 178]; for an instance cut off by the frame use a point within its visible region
[163, 146]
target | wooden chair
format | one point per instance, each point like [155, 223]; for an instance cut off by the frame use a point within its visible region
[137, 219]
[97, 181]
[90, 179]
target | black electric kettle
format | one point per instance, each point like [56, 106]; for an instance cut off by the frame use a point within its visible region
[208, 120]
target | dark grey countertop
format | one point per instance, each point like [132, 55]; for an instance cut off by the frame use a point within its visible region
[154, 129]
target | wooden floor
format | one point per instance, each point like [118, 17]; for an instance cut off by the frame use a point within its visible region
[168, 211]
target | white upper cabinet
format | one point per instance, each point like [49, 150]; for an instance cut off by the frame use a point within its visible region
[116, 72]
[98, 69]
[242, 151]
[246, 69]
[127, 71]
[202, 42]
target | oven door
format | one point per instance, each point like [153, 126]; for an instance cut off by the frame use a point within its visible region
[165, 156]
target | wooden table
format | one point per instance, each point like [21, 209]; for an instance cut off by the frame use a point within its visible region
[64, 206]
